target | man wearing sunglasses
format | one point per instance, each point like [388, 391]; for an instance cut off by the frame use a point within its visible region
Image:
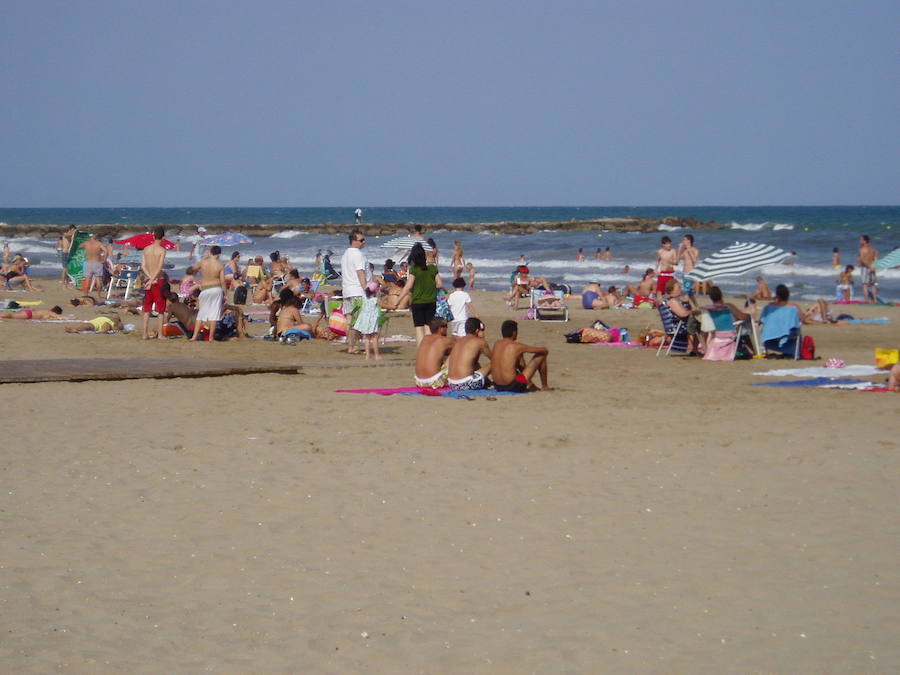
[354, 268]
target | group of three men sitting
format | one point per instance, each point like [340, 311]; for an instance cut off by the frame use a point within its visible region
[443, 360]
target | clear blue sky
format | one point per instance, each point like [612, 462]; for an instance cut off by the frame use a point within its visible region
[221, 103]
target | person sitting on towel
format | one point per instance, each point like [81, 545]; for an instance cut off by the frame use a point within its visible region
[463, 371]
[508, 367]
[289, 317]
[431, 368]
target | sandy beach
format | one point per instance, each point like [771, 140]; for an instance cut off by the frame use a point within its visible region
[648, 515]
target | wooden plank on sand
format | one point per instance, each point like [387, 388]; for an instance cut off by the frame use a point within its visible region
[59, 370]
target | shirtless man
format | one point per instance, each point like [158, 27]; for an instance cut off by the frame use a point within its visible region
[94, 252]
[688, 255]
[666, 259]
[464, 372]
[508, 367]
[431, 370]
[183, 315]
[865, 262]
[644, 290]
[212, 294]
[155, 286]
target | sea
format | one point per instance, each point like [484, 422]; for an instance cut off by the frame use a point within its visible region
[810, 232]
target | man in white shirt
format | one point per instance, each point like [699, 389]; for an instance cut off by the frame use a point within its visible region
[461, 305]
[354, 267]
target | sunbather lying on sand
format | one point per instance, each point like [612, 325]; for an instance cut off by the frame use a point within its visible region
[29, 314]
[102, 324]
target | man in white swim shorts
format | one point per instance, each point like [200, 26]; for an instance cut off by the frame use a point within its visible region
[431, 371]
[212, 294]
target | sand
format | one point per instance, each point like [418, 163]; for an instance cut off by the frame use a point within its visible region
[648, 515]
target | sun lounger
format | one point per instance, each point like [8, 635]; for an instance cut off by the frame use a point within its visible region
[549, 305]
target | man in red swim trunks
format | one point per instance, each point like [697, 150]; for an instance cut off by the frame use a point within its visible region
[508, 367]
[156, 287]
[666, 259]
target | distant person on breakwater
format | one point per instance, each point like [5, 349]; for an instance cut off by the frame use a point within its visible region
[357, 216]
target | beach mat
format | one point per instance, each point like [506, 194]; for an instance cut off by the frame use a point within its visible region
[821, 371]
[443, 392]
[61, 370]
[811, 382]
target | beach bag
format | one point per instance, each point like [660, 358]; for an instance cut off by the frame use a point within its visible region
[574, 337]
[808, 348]
[885, 358]
[591, 335]
[338, 322]
[442, 308]
[240, 295]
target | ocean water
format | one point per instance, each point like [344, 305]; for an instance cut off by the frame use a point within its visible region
[811, 232]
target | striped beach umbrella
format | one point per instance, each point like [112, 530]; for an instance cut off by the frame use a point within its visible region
[892, 259]
[735, 260]
[406, 243]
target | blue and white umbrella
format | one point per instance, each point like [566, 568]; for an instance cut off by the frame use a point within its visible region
[892, 259]
[735, 260]
[406, 243]
[227, 239]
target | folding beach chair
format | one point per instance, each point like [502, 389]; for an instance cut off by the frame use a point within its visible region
[549, 305]
[309, 304]
[781, 332]
[675, 330]
[724, 334]
[128, 277]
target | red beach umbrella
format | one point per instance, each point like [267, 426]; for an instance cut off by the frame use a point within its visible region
[140, 241]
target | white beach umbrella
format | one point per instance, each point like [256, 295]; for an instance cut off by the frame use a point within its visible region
[735, 260]
[406, 243]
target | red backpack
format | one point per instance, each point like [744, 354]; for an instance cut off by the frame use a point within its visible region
[808, 348]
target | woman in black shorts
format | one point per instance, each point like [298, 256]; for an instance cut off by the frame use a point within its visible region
[422, 283]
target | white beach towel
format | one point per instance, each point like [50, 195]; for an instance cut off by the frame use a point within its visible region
[821, 371]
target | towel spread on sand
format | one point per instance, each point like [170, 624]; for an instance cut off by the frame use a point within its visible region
[882, 319]
[812, 382]
[443, 392]
[820, 371]
[617, 344]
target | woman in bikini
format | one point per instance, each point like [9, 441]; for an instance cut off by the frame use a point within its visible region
[36, 314]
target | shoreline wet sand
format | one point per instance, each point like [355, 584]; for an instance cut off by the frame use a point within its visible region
[649, 514]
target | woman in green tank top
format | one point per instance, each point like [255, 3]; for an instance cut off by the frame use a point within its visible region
[422, 283]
